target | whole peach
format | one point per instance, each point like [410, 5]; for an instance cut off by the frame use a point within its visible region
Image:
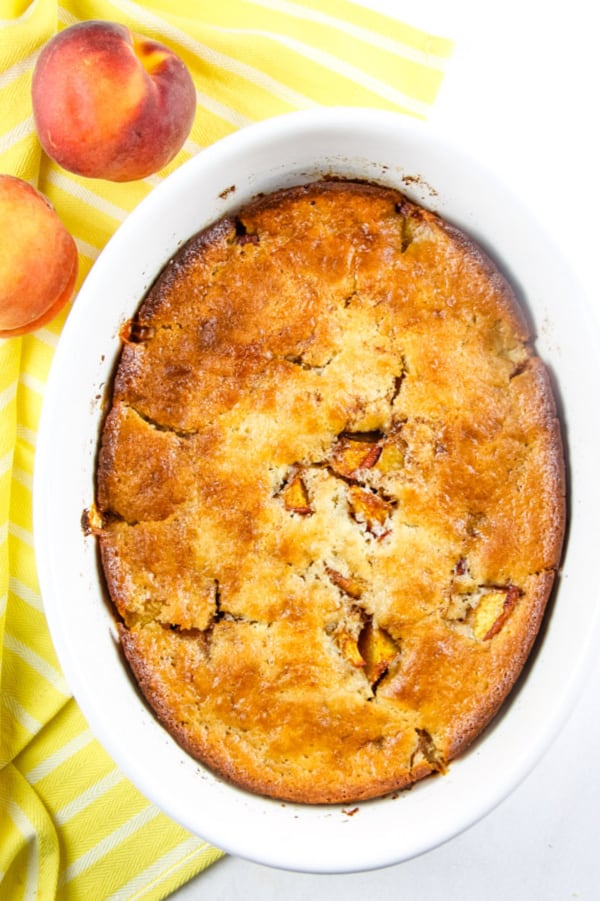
[108, 103]
[38, 259]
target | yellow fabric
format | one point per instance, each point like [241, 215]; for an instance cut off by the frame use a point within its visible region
[71, 826]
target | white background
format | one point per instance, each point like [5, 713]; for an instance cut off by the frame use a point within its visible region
[521, 90]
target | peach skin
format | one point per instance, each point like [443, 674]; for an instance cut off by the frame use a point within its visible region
[109, 103]
[38, 259]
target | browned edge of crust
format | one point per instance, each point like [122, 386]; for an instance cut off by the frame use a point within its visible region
[205, 756]
[201, 239]
[472, 730]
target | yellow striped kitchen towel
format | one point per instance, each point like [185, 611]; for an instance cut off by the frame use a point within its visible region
[71, 825]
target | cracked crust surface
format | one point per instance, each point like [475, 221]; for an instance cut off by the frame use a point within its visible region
[331, 486]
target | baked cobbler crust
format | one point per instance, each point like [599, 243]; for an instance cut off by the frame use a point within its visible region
[332, 493]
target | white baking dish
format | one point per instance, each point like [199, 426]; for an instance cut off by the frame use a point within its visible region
[286, 150]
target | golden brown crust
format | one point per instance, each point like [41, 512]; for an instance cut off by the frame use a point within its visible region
[332, 488]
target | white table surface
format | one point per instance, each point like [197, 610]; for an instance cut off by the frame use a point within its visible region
[521, 89]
